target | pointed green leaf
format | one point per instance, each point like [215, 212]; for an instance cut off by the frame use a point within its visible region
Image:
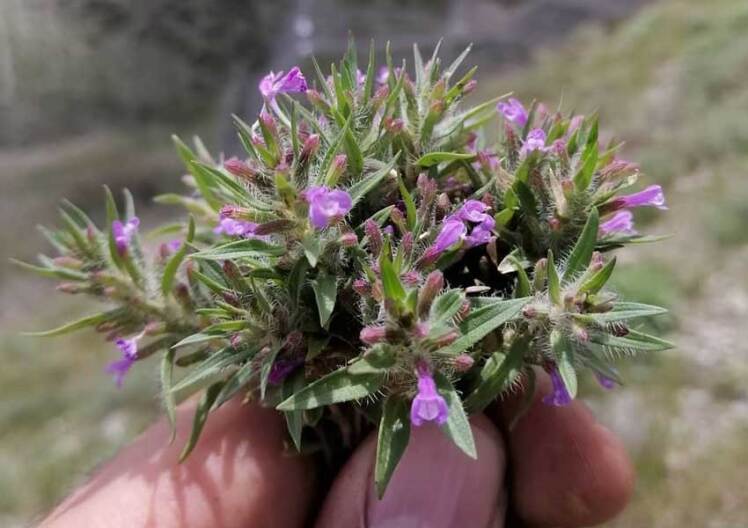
[554, 284]
[336, 387]
[483, 321]
[434, 158]
[581, 255]
[90, 320]
[632, 341]
[312, 249]
[623, 311]
[294, 419]
[170, 270]
[457, 427]
[393, 288]
[266, 367]
[392, 439]
[366, 184]
[201, 415]
[497, 375]
[325, 288]
[596, 282]
[248, 248]
[170, 405]
[564, 355]
[446, 306]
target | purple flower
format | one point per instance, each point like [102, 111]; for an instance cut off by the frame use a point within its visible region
[535, 141]
[120, 367]
[513, 111]
[453, 230]
[605, 382]
[382, 75]
[574, 123]
[428, 405]
[231, 227]
[481, 234]
[651, 196]
[174, 245]
[275, 83]
[560, 396]
[360, 78]
[123, 233]
[327, 205]
[282, 367]
[620, 222]
[473, 211]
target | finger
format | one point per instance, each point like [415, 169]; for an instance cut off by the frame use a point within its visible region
[435, 485]
[238, 475]
[568, 470]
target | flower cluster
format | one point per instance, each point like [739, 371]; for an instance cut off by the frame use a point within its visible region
[373, 255]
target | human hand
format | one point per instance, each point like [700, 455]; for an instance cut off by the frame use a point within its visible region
[566, 470]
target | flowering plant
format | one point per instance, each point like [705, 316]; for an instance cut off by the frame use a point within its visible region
[373, 259]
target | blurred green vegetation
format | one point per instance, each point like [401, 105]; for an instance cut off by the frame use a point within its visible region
[672, 82]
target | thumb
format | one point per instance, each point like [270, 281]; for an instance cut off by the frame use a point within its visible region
[435, 485]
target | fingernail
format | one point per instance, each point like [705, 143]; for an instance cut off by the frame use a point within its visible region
[437, 486]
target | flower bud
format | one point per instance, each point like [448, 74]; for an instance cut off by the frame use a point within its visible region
[68, 262]
[311, 145]
[470, 86]
[372, 335]
[70, 287]
[580, 333]
[274, 226]
[407, 243]
[464, 310]
[374, 234]
[421, 330]
[529, 312]
[463, 363]
[348, 239]
[337, 169]
[239, 169]
[315, 98]
[410, 278]
[430, 289]
[393, 125]
[154, 328]
[446, 339]
[362, 287]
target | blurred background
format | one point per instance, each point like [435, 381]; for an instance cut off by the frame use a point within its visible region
[90, 91]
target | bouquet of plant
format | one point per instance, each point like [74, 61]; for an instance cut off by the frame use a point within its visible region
[378, 257]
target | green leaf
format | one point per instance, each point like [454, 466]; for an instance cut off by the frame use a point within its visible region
[564, 355]
[554, 284]
[296, 280]
[294, 419]
[209, 371]
[393, 288]
[111, 215]
[90, 320]
[483, 321]
[528, 396]
[170, 405]
[434, 158]
[446, 306]
[247, 248]
[623, 311]
[236, 382]
[394, 432]
[266, 367]
[457, 427]
[497, 375]
[170, 270]
[595, 283]
[366, 184]
[581, 255]
[377, 360]
[336, 387]
[51, 272]
[410, 204]
[201, 415]
[632, 341]
[325, 288]
[312, 249]
[202, 182]
[583, 177]
[200, 337]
